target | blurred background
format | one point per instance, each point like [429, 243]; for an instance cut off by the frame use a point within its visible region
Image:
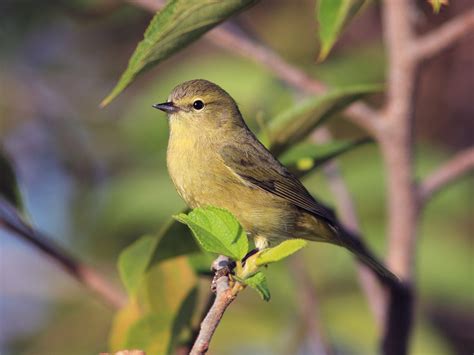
[96, 180]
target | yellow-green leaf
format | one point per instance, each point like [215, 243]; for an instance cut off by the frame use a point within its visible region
[296, 123]
[178, 24]
[332, 16]
[281, 251]
[437, 4]
[305, 156]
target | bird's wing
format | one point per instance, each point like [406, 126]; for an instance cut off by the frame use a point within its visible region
[257, 167]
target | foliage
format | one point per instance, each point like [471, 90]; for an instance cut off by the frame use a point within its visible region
[333, 16]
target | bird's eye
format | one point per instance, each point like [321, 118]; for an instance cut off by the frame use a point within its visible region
[198, 104]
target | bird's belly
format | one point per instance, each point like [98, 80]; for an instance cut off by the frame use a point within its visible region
[206, 181]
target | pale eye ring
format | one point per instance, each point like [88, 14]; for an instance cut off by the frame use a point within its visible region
[198, 105]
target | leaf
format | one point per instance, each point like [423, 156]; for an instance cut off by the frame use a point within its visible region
[295, 124]
[308, 156]
[8, 183]
[437, 4]
[279, 252]
[178, 24]
[134, 261]
[217, 231]
[160, 311]
[332, 16]
[258, 282]
[174, 239]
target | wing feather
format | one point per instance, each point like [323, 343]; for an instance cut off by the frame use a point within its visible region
[257, 166]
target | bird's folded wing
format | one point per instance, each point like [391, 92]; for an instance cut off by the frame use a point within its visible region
[257, 167]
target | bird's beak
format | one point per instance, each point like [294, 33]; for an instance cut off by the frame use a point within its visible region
[167, 107]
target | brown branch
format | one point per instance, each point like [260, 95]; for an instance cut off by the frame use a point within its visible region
[84, 274]
[443, 37]
[372, 288]
[224, 297]
[459, 165]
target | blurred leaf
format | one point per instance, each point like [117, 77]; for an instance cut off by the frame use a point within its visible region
[217, 230]
[258, 282]
[281, 251]
[121, 323]
[150, 333]
[8, 183]
[165, 300]
[134, 261]
[306, 156]
[332, 16]
[174, 239]
[201, 262]
[183, 317]
[295, 124]
[436, 4]
[178, 24]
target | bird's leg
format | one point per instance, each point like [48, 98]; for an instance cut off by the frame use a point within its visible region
[249, 254]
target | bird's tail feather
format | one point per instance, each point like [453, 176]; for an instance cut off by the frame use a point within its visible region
[354, 245]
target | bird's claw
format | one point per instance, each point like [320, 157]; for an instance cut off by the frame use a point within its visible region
[224, 271]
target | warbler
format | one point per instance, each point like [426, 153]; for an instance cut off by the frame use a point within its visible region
[214, 159]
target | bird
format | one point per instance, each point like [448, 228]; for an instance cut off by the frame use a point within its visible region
[214, 159]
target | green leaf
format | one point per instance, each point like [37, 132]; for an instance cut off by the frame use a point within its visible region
[296, 123]
[173, 240]
[308, 156]
[217, 231]
[178, 24]
[332, 16]
[8, 183]
[258, 282]
[134, 261]
[281, 251]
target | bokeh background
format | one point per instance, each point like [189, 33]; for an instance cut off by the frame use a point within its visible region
[96, 179]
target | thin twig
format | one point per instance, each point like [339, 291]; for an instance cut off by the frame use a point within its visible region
[84, 274]
[372, 288]
[224, 297]
[456, 167]
[443, 37]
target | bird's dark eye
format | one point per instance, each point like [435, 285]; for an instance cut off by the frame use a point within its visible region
[198, 104]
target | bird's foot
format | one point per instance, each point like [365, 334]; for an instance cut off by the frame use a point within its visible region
[225, 268]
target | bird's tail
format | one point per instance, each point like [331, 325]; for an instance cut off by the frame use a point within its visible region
[353, 244]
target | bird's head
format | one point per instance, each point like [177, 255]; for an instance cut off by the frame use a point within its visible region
[201, 104]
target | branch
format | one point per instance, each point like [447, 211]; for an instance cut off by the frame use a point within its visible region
[224, 297]
[443, 37]
[84, 274]
[459, 165]
[372, 288]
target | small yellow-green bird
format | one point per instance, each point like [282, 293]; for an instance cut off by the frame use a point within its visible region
[214, 159]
